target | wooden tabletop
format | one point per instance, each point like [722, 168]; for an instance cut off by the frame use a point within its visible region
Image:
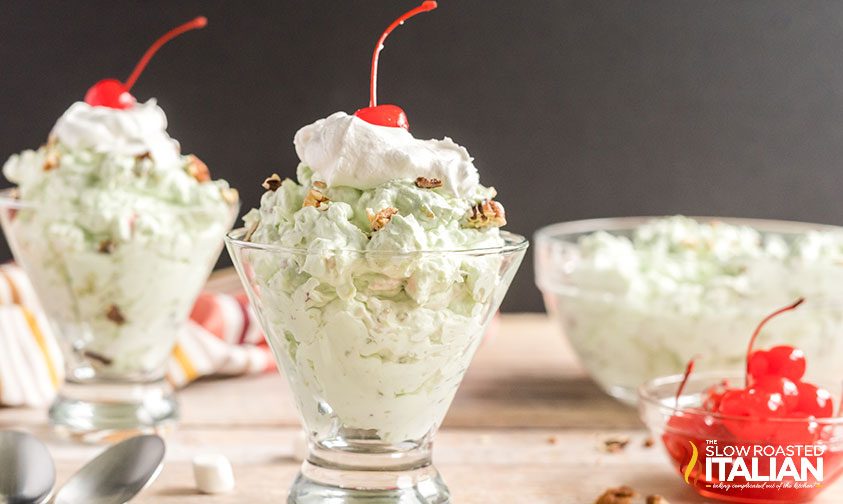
[525, 427]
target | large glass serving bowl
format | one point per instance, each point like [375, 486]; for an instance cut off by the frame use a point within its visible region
[374, 346]
[625, 336]
[700, 444]
[116, 297]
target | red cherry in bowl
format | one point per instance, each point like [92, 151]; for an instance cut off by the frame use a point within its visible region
[388, 115]
[786, 389]
[813, 401]
[782, 360]
[114, 94]
[767, 364]
[714, 395]
[753, 402]
[754, 408]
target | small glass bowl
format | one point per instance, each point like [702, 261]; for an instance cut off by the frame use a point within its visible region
[695, 439]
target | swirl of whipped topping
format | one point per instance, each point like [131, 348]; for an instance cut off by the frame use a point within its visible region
[136, 131]
[344, 150]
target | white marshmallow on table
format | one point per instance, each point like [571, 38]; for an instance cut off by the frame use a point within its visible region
[213, 473]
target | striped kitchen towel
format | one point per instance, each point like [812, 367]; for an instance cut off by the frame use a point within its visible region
[31, 365]
[222, 338]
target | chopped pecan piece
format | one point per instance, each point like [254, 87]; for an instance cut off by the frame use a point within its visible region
[380, 219]
[615, 444]
[144, 156]
[487, 213]
[102, 359]
[619, 495]
[115, 315]
[251, 230]
[314, 198]
[230, 195]
[428, 183]
[272, 182]
[140, 170]
[51, 161]
[197, 169]
[649, 442]
[106, 247]
[656, 499]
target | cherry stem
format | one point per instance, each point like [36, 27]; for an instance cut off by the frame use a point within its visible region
[195, 24]
[427, 5]
[688, 369]
[761, 325]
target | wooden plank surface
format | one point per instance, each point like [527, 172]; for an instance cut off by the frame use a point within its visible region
[526, 427]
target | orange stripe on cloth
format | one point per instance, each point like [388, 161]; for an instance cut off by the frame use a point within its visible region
[190, 372]
[42, 345]
[13, 289]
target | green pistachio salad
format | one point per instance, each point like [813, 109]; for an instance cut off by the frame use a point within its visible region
[373, 312]
[118, 231]
[636, 305]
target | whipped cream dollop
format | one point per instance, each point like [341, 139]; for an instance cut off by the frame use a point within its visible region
[344, 150]
[136, 131]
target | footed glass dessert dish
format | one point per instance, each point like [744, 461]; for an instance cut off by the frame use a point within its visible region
[374, 276]
[117, 230]
[116, 303]
[374, 345]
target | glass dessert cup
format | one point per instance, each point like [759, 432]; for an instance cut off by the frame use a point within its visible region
[116, 305]
[374, 346]
[694, 438]
[623, 342]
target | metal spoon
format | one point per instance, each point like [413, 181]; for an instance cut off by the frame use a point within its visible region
[27, 473]
[116, 475]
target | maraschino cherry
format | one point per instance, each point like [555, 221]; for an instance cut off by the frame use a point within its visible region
[784, 361]
[780, 360]
[773, 388]
[115, 94]
[771, 378]
[388, 115]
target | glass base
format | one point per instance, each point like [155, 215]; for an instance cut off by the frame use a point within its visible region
[107, 412]
[320, 485]
[343, 471]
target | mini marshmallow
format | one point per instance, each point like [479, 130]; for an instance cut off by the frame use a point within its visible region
[213, 473]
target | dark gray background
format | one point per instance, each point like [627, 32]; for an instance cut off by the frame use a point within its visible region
[572, 109]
